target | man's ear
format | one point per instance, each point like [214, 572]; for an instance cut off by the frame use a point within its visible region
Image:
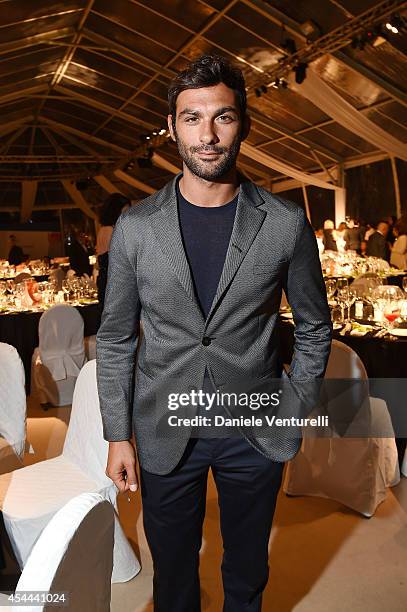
[171, 127]
[246, 127]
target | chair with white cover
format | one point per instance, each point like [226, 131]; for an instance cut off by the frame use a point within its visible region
[72, 556]
[29, 497]
[13, 409]
[354, 471]
[57, 361]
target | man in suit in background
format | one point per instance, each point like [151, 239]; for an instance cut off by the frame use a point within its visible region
[201, 264]
[15, 255]
[377, 244]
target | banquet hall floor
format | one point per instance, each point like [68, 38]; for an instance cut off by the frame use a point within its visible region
[323, 556]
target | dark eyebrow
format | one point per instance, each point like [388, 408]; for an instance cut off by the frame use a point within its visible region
[220, 111]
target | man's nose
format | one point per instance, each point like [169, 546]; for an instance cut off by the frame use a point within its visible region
[208, 134]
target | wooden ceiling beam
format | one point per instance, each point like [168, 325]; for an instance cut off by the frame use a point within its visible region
[161, 162]
[57, 126]
[134, 182]
[106, 184]
[78, 198]
[106, 108]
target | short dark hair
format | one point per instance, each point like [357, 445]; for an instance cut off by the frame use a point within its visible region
[206, 71]
[112, 207]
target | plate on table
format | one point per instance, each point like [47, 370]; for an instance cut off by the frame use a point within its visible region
[399, 331]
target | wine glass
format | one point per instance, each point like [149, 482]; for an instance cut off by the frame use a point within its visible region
[389, 299]
[391, 312]
[347, 296]
[330, 286]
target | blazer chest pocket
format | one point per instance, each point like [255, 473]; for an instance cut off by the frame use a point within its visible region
[269, 268]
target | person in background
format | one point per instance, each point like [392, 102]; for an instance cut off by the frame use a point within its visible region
[377, 244]
[354, 236]
[391, 235]
[78, 253]
[113, 206]
[329, 236]
[398, 257]
[15, 254]
[319, 235]
[341, 237]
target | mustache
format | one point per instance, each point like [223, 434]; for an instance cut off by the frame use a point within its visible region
[208, 149]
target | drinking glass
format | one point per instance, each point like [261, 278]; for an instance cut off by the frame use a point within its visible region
[330, 286]
[404, 283]
[347, 296]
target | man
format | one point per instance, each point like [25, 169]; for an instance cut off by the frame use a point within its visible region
[15, 256]
[377, 244]
[201, 265]
[354, 236]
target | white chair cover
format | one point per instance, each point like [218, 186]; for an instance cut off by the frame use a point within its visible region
[61, 341]
[73, 555]
[29, 497]
[13, 406]
[57, 361]
[353, 471]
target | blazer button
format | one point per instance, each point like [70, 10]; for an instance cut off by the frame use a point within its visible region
[206, 341]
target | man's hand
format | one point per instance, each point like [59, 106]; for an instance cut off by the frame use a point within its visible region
[121, 465]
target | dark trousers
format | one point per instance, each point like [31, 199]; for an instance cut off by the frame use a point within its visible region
[174, 509]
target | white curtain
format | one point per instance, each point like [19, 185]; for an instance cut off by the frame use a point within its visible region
[317, 91]
[286, 169]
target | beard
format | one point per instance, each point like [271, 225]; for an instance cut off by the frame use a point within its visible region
[209, 170]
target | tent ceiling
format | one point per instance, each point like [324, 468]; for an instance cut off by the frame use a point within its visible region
[82, 82]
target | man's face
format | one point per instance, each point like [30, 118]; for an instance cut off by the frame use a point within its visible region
[208, 130]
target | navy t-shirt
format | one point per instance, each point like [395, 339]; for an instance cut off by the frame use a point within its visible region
[206, 234]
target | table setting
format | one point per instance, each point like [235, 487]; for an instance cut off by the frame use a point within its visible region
[30, 295]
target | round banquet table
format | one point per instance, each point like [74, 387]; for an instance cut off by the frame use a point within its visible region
[382, 358]
[392, 279]
[21, 331]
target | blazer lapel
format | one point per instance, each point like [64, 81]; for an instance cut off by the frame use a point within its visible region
[248, 221]
[165, 224]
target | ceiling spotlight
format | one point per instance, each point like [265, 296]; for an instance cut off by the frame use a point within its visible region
[162, 131]
[395, 24]
[300, 72]
[311, 29]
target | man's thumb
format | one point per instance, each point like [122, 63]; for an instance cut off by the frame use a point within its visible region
[131, 480]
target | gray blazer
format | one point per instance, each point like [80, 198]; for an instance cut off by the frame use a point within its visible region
[272, 247]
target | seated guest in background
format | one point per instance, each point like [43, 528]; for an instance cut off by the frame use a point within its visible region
[319, 235]
[377, 244]
[341, 237]
[354, 236]
[329, 236]
[78, 253]
[398, 256]
[15, 254]
[113, 206]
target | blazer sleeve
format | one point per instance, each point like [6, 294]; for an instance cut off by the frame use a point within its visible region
[306, 294]
[116, 341]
